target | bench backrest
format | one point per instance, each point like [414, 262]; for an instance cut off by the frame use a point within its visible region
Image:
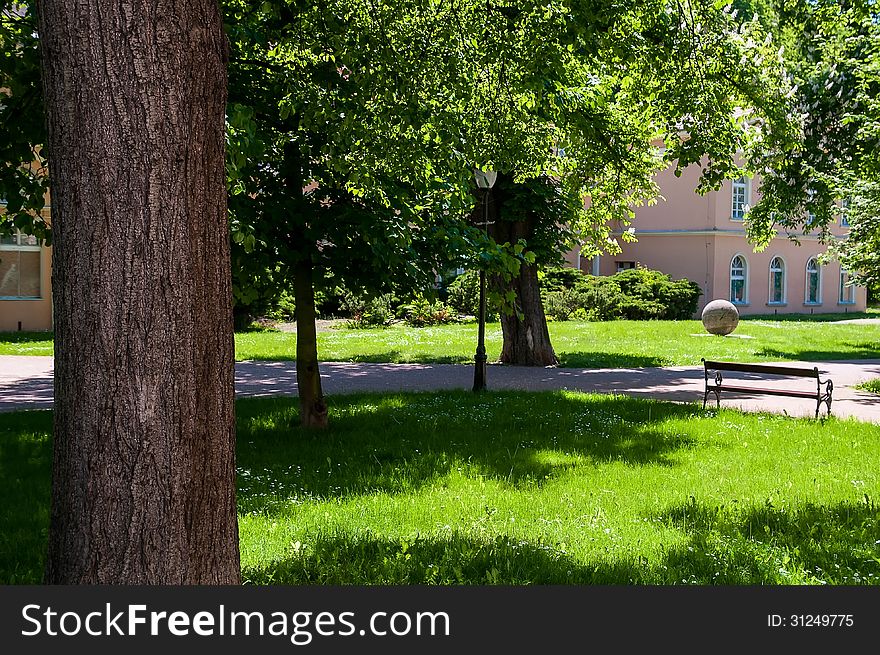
[767, 369]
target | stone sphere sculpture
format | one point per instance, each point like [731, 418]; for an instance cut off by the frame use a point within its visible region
[720, 317]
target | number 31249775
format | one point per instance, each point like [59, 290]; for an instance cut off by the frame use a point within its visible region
[810, 621]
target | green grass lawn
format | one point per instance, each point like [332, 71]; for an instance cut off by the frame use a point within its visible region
[519, 488]
[583, 344]
[578, 344]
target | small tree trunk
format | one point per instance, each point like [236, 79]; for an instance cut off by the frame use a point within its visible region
[312, 408]
[143, 479]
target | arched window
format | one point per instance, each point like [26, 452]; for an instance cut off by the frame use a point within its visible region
[847, 294]
[777, 281]
[813, 294]
[738, 280]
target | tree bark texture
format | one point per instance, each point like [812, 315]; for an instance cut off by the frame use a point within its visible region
[526, 339]
[143, 486]
[312, 408]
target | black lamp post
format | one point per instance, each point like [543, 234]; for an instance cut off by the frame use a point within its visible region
[485, 180]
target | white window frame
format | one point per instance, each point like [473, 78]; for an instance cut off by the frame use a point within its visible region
[622, 265]
[781, 269]
[807, 301]
[740, 192]
[744, 277]
[811, 216]
[844, 207]
[846, 294]
[33, 245]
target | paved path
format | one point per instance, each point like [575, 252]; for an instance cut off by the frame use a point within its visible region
[26, 382]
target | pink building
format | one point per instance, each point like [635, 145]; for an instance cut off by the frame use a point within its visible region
[25, 283]
[702, 238]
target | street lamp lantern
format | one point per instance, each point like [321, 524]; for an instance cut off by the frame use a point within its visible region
[485, 180]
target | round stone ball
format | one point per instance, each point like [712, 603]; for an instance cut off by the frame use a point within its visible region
[720, 317]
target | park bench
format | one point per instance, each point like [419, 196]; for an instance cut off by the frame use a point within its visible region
[822, 394]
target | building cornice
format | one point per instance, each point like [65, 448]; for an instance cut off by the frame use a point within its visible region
[716, 232]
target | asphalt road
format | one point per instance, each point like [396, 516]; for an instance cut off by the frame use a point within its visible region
[26, 383]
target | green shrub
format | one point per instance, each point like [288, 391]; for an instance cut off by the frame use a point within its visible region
[602, 298]
[422, 313]
[463, 294]
[636, 294]
[562, 305]
[367, 312]
[640, 309]
[654, 295]
[558, 278]
[284, 309]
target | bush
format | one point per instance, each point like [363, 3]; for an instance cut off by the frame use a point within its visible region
[422, 313]
[604, 298]
[558, 278]
[367, 312]
[636, 294]
[463, 295]
[562, 305]
[654, 295]
[284, 309]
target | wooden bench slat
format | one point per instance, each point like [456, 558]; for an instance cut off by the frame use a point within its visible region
[763, 368]
[765, 390]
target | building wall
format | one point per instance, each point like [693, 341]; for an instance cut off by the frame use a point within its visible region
[29, 314]
[686, 235]
[795, 258]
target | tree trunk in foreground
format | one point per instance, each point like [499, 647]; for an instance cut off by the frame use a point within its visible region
[526, 337]
[143, 488]
[312, 408]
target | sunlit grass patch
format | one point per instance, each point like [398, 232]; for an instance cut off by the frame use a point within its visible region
[518, 488]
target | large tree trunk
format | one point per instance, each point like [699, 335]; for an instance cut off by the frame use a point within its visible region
[143, 483]
[312, 408]
[526, 339]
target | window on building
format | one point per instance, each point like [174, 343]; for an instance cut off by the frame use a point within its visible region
[740, 199]
[846, 294]
[777, 280]
[811, 215]
[813, 292]
[844, 212]
[19, 266]
[738, 280]
[625, 266]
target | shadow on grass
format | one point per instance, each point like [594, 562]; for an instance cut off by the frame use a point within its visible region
[810, 318]
[449, 560]
[25, 477]
[858, 351]
[25, 337]
[599, 359]
[387, 357]
[801, 545]
[399, 442]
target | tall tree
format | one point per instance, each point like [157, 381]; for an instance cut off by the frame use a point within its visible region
[144, 471]
[832, 55]
[297, 210]
[580, 91]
